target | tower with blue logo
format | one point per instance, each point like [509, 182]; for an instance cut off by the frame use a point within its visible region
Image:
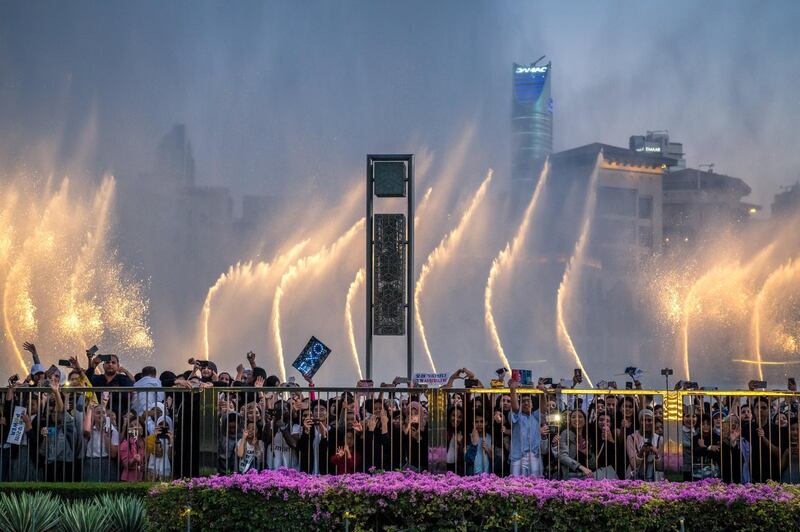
[531, 121]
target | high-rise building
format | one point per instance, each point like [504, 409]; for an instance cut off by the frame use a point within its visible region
[531, 120]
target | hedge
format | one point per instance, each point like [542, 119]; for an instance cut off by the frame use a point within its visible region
[78, 490]
[287, 500]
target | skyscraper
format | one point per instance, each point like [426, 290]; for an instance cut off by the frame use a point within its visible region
[531, 121]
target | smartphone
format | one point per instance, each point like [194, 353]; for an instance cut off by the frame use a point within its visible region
[471, 383]
[365, 383]
[105, 358]
[13, 379]
[792, 384]
[547, 381]
[629, 386]
[578, 377]
[612, 385]
[516, 375]
[64, 362]
[51, 370]
[201, 363]
[92, 350]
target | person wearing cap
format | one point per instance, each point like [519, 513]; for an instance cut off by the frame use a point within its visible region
[37, 376]
[645, 450]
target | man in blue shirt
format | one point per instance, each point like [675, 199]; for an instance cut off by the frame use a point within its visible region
[526, 460]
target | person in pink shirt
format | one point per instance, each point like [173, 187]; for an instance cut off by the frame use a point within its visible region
[132, 452]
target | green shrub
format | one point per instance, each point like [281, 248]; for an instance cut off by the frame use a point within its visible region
[126, 514]
[84, 516]
[79, 490]
[29, 512]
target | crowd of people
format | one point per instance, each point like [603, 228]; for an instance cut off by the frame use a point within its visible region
[96, 421]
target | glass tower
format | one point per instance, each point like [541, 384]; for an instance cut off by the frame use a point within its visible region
[531, 120]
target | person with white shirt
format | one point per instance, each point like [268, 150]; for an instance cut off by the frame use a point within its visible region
[144, 401]
[102, 446]
[280, 439]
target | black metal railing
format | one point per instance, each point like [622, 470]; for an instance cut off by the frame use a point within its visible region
[131, 434]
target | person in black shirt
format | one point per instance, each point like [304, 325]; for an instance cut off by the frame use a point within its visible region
[113, 375]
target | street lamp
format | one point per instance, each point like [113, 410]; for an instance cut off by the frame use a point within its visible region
[666, 372]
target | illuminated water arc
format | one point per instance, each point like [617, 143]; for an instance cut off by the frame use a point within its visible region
[785, 274]
[75, 321]
[760, 362]
[576, 260]
[348, 317]
[20, 266]
[504, 258]
[296, 269]
[253, 272]
[423, 203]
[439, 254]
[756, 330]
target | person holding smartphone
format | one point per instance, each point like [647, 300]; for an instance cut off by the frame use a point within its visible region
[526, 438]
[102, 446]
[645, 450]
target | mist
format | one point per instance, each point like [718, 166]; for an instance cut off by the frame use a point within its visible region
[284, 100]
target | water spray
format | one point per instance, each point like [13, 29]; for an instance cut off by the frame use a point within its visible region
[299, 267]
[506, 259]
[576, 261]
[440, 254]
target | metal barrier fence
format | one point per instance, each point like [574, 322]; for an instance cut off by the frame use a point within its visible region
[131, 434]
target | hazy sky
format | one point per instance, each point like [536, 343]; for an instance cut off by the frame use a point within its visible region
[276, 92]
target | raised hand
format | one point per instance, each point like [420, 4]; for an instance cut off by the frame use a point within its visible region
[259, 382]
[30, 348]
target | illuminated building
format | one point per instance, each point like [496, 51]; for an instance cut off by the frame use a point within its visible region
[657, 143]
[531, 121]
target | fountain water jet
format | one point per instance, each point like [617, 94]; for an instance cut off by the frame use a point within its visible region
[439, 255]
[348, 316]
[249, 274]
[56, 268]
[299, 267]
[575, 262]
[506, 259]
[775, 289]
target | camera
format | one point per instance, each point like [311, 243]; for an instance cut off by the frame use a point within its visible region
[105, 358]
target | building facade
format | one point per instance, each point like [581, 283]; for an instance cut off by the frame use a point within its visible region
[531, 120]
